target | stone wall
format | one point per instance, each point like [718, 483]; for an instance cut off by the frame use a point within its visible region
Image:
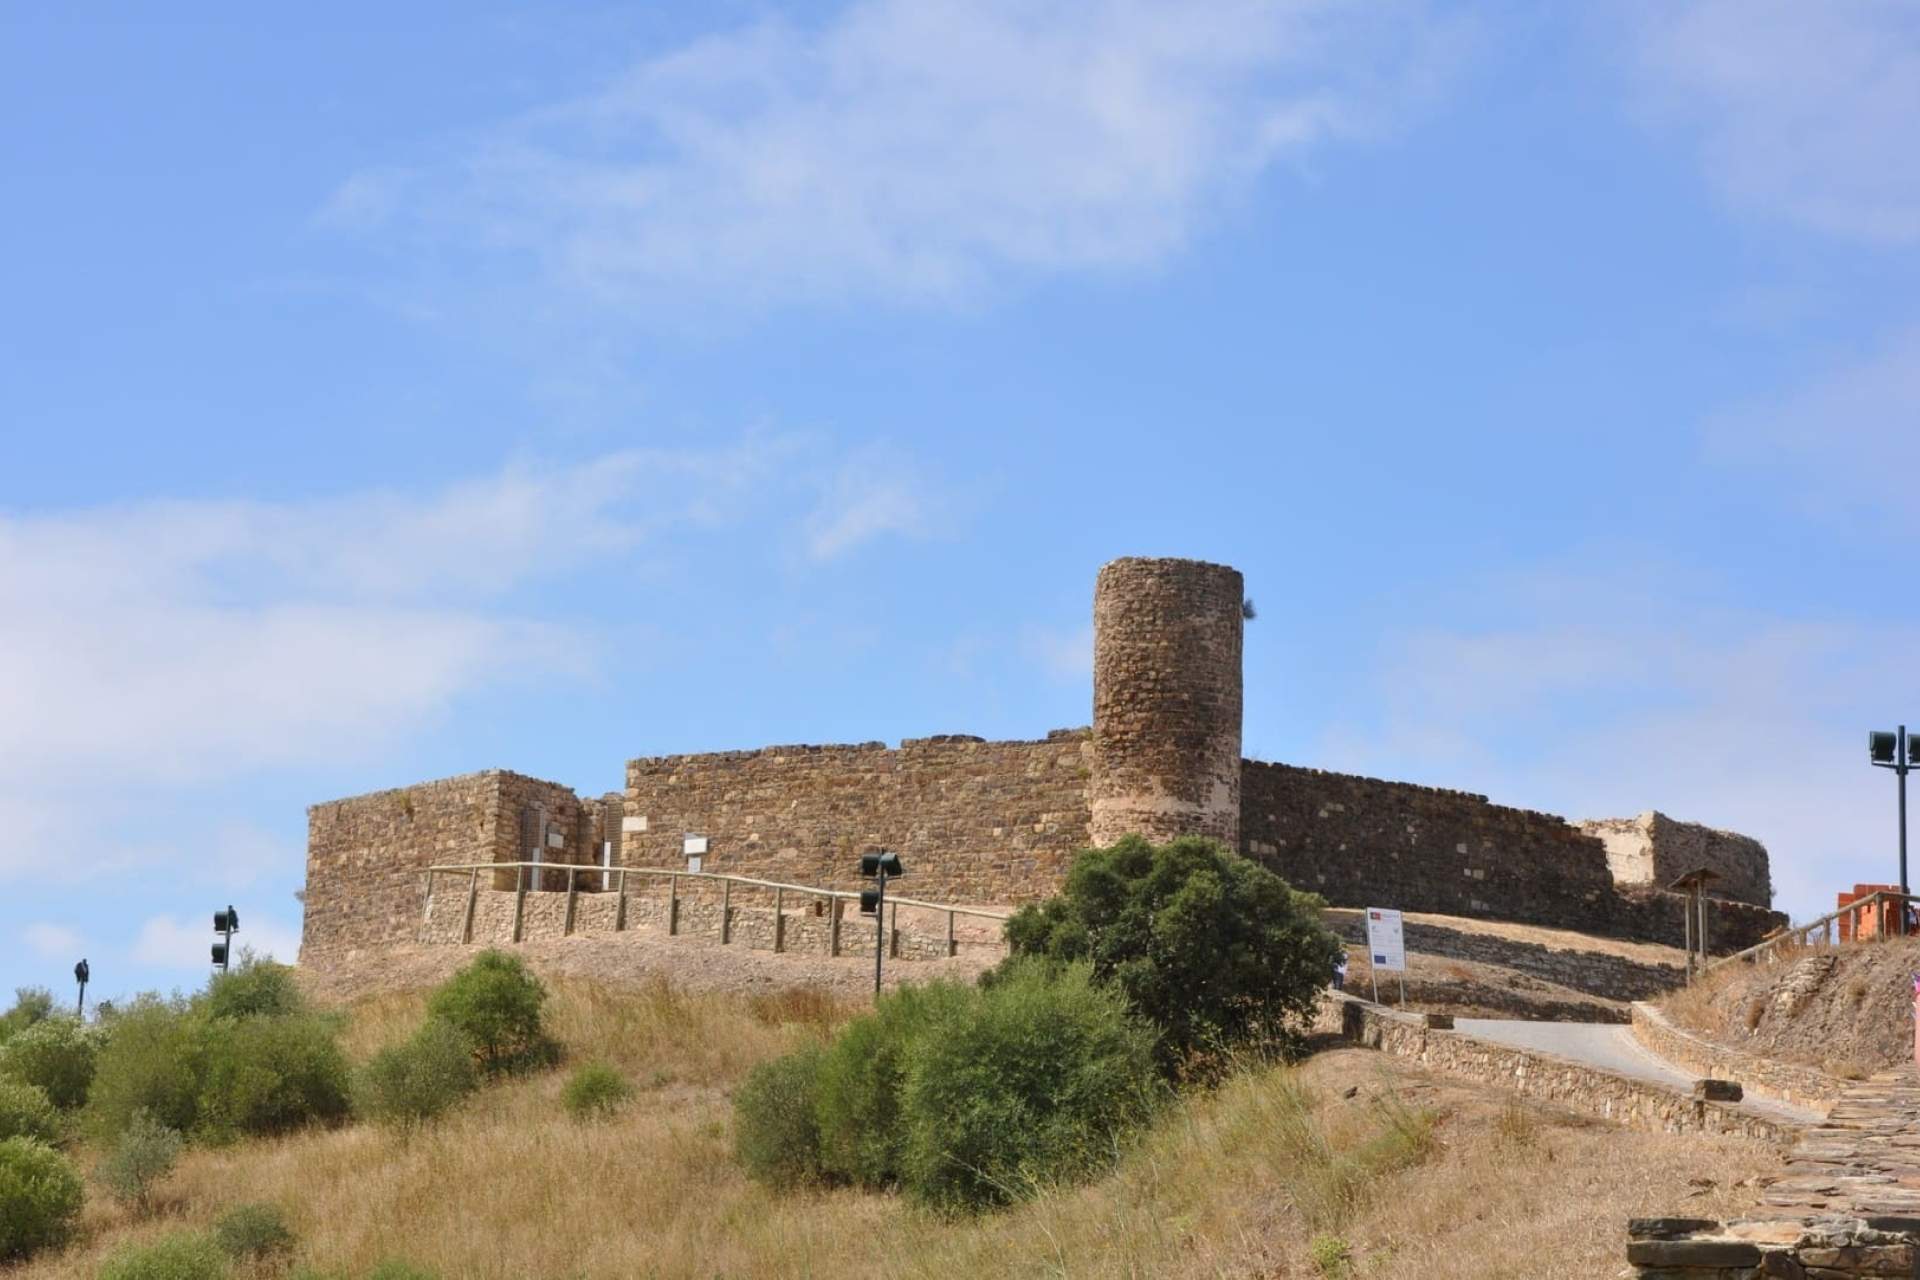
[974, 821]
[1653, 849]
[805, 922]
[365, 854]
[1639, 1104]
[1807, 1248]
[1367, 842]
[1760, 1075]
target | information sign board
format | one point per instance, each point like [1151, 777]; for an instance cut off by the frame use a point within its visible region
[1385, 941]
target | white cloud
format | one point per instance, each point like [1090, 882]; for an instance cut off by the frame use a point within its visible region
[918, 148]
[1804, 111]
[1595, 701]
[169, 643]
[875, 492]
[1064, 653]
[52, 941]
[1849, 439]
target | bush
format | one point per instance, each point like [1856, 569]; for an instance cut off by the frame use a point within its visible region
[40, 1197]
[30, 1005]
[861, 1079]
[152, 1061]
[409, 1084]
[184, 1255]
[25, 1112]
[256, 988]
[776, 1135]
[141, 1158]
[251, 1231]
[58, 1054]
[595, 1089]
[495, 1003]
[270, 1074]
[1039, 1080]
[1217, 950]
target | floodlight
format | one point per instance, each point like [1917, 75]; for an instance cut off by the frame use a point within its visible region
[1881, 746]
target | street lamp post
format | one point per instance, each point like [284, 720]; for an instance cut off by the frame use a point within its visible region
[879, 868]
[1898, 752]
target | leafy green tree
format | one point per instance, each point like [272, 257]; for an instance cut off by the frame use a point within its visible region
[40, 1196]
[255, 988]
[862, 1138]
[56, 1053]
[25, 1112]
[1215, 949]
[496, 1004]
[30, 1005]
[408, 1084]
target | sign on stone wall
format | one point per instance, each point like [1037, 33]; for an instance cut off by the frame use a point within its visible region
[1385, 941]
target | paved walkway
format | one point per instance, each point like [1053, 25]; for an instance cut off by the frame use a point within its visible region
[1611, 1047]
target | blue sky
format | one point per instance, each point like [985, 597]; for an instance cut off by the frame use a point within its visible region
[389, 396]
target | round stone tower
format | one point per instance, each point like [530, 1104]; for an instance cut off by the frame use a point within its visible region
[1166, 700]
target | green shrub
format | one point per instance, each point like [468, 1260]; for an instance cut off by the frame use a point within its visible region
[142, 1156]
[40, 1197]
[152, 1061]
[184, 1255]
[776, 1132]
[30, 1005]
[251, 1231]
[255, 988]
[862, 1076]
[1216, 950]
[595, 1089]
[25, 1112]
[56, 1053]
[1037, 1081]
[269, 1074]
[495, 1003]
[409, 1084]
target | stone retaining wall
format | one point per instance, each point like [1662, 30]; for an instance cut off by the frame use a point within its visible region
[1835, 1248]
[1594, 972]
[1576, 1086]
[806, 925]
[1760, 1075]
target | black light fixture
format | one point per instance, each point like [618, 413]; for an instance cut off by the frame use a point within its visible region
[878, 867]
[1898, 752]
[226, 923]
[80, 975]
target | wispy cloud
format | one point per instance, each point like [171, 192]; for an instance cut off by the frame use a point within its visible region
[1801, 111]
[918, 149]
[1593, 699]
[52, 941]
[167, 942]
[876, 491]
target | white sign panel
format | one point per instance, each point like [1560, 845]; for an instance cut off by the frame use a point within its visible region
[693, 863]
[693, 844]
[1384, 940]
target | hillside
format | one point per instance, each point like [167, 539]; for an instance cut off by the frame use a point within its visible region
[1845, 1010]
[1416, 1176]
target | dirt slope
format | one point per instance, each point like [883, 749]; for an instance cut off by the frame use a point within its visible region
[1846, 1010]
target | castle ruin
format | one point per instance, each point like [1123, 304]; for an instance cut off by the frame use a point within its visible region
[998, 822]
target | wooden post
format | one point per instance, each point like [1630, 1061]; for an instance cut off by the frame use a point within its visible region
[893, 931]
[519, 902]
[833, 925]
[426, 909]
[673, 905]
[573, 888]
[953, 948]
[1705, 954]
[726, 912]
[620, 912]
[779, 919]
[473, 896]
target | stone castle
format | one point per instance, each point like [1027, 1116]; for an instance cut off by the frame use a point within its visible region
[998, 822]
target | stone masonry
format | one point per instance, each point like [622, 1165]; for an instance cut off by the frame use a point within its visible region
[997, 823]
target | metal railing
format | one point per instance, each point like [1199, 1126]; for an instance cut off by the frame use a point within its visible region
[1801, 935]
[836, 899]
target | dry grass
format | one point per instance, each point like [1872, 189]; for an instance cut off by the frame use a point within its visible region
[1278, 1173]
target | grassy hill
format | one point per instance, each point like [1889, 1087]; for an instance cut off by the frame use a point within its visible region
[1350, 1164]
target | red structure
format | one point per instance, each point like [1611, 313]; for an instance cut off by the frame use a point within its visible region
[1873, 921]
